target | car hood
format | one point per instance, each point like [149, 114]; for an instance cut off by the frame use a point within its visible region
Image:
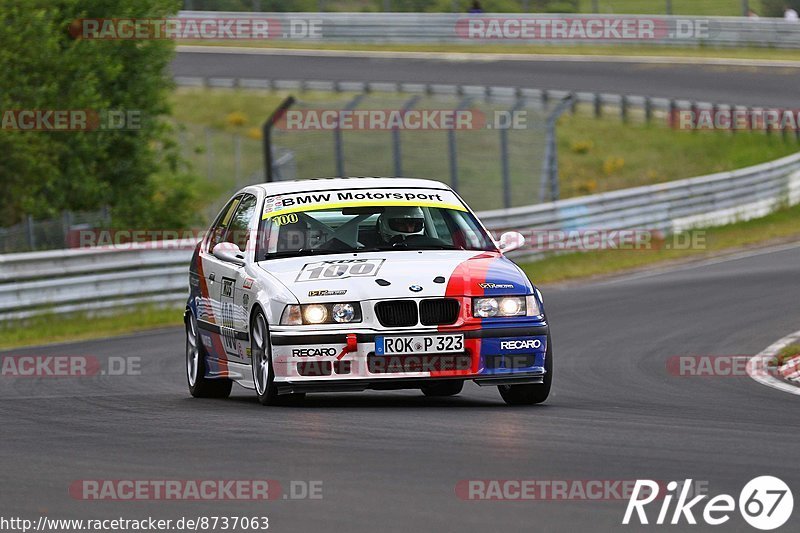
[398, 274]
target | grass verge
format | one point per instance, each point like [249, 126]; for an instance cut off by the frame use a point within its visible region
[786, 353]
[595, 154]
[780, 225]
[75, 327]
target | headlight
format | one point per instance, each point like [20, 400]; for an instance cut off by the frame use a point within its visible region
[313, 314]
[343, 313]
[505, 306]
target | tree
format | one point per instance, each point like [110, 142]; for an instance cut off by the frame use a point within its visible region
[45, 67]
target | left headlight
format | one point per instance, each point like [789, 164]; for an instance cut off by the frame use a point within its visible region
[313, 314]
[505, 306]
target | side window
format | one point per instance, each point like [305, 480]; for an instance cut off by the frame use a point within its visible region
[238, 229]
[224, 218]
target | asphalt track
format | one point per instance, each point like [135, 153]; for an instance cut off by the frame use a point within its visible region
[390, 461]
[724, 84]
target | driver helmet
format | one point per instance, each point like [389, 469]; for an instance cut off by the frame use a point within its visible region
[400, 221]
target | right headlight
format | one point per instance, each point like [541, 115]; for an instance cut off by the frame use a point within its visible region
[313, 314]
[505, 306]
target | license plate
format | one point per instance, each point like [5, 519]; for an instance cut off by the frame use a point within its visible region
[419, 344]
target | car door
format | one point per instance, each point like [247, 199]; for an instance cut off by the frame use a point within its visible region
[229, 279]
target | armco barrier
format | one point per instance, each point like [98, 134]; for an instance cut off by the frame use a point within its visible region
[100, 278]
[454, 28]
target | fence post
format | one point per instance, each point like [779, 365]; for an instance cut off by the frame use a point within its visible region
[648, 110]
[397, 152]
[673, 107]
[338, 143]
[623, 108]
[669, 7]
[266, 135]
[31, 235]
[66, 224]
[598, 106]
[209, 156]
[237, 156]
[504, 163]
[452, 148]
[549, 182]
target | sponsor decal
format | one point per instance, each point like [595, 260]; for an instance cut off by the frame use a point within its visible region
[245, 300]
[496, 285]
[298, 202]
[272, 203]
[227, 287]
[339, 269]
[521, 344]
[327, 293]
[323, 351]
[248, 283]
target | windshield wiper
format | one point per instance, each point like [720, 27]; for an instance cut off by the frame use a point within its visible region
[408, 248]
[303, 252]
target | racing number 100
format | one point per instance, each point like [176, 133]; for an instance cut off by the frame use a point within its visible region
[339, 269]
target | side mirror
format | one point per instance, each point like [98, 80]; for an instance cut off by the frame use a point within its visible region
[228, 252]
[511, 240]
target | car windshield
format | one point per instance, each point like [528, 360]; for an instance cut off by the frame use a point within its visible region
[331, 230]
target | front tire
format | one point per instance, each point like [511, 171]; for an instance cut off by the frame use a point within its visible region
[199, 385]
[443, 388]
[534, 393]
[261, 361]
[263, 371]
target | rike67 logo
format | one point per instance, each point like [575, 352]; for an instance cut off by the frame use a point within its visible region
[765, 503]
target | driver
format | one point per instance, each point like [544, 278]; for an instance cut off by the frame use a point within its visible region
[396, 224]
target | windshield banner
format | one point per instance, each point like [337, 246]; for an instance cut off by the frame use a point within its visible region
[316, 200]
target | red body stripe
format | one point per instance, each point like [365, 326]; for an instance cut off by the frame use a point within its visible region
[465, 283]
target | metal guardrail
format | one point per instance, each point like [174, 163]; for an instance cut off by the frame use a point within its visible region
[102, 278]
[454, 28]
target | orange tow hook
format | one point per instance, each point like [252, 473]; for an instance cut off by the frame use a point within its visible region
[352, 345]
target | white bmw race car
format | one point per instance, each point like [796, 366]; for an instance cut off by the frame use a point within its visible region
[360, 283]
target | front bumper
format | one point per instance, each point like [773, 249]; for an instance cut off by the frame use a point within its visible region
[495, 354]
